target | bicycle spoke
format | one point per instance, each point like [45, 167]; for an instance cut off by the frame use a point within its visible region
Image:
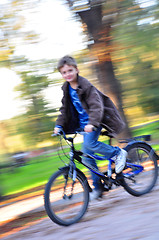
[144, 178]
[66, 200]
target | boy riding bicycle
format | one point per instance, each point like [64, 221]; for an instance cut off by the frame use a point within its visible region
[85, 107]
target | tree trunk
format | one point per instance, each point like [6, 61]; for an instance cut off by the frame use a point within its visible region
[100, 33]
[112, 87]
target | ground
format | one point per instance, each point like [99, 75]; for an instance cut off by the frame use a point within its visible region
[118, 215]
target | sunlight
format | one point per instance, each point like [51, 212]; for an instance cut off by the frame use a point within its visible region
[55, 24]
[9, 105]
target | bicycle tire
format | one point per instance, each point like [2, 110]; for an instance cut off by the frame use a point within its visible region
[141, 153]
[66, 210]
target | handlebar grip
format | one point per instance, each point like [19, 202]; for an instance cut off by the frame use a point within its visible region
[57, 134]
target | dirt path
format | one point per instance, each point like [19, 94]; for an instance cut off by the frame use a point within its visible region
[118, 216]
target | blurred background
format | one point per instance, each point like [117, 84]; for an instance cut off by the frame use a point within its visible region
[116, 45]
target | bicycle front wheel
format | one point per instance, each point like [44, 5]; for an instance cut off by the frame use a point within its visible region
[140, 181]
[66, 201]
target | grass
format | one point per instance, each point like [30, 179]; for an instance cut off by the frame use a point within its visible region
[38, 170]
[152, 129]
[33, 174]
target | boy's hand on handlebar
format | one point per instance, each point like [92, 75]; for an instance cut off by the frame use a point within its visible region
[89, 128]
[56, 130]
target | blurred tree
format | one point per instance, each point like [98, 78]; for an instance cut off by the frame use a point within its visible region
[3, 137]
[126, 20]
[37, 122]
[97, 18]
[136, 53]
[13, 31]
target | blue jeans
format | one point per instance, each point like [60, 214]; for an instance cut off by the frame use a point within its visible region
[91, 145]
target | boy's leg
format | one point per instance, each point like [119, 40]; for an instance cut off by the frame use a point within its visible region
[91, 143]
[92, 162]
[95, 178]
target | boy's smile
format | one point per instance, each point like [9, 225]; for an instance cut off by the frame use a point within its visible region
[69, 73]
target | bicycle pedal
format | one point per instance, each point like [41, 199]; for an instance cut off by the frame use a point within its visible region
[106, 187]
[119, 176]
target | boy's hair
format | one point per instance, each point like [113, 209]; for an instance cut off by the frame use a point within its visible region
[66, 60]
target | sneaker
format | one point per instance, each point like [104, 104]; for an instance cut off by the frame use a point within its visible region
[95, 194]
[120, 161]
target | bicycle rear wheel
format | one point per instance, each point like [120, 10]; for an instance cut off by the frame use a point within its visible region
[140, 182]
[66, 202]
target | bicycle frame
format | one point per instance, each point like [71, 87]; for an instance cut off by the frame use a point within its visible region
[130, 169]
[68, 192]
[74, 154]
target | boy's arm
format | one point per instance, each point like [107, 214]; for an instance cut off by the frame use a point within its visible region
[57, 129]
[95, 105]
[61, 117]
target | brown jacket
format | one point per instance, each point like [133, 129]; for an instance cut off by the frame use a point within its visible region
[99, 107]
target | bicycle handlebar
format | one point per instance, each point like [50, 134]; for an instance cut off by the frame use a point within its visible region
[80, 131]
[61, 132]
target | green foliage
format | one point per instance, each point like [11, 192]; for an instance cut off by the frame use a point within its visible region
[135, 54]
[136, 38]
[148, 128]
[31, 85]
[36, 123]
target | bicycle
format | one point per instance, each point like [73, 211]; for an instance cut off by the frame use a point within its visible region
[66, 194]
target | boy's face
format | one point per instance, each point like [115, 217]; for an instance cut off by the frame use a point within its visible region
[69, 73]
